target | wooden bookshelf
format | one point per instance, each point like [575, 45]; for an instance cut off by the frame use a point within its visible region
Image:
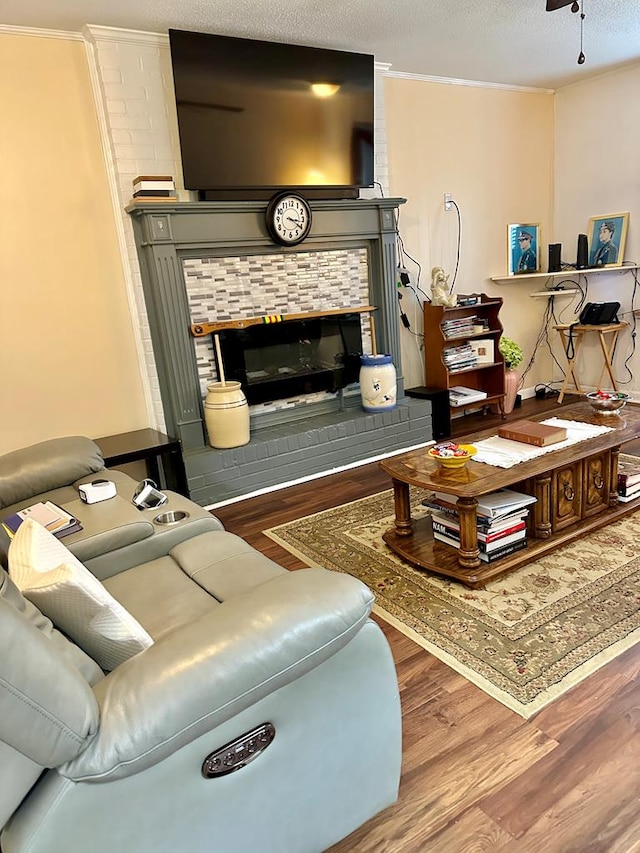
[488, 377]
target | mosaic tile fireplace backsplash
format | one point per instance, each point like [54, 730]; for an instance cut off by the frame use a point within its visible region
[234, 287]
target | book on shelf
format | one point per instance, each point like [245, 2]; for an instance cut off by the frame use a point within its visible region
[495, 525]
[154, 193]
[148, 198]
[458, 328]
[485, 523]
[462, 366]
[495, 504]
[52, 517]
[628, 493]
[460, 396]
[460, 362]
[452, 537]
[153, 182]
[630, 497]
[488, 556]
[485, 534]
[532, 432]
[628, 475]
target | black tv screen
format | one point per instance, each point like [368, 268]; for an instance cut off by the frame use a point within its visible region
[257, 115]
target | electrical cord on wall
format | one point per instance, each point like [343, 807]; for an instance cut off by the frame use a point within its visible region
[556, 321]
[405, 319]
[633, 333]
[459, 242]
[402, 256]
[583, 294]
[404, 276]
[543, 338]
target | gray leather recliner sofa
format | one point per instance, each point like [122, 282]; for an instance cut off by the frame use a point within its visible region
[278, 677]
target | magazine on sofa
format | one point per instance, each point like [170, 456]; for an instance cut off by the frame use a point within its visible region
[55, 519]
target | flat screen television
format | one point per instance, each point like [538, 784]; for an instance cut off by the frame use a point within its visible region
[255, 117]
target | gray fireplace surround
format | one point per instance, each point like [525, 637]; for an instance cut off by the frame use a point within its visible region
[308, 441]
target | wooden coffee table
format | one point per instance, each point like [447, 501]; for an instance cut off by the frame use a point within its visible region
[575, 487]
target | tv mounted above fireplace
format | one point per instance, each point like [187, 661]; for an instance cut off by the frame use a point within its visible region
[255, 117]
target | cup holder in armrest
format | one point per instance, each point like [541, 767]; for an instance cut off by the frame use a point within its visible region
[171, 517]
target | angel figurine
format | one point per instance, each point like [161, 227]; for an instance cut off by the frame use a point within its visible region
[440, 288]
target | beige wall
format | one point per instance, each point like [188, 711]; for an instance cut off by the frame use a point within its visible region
[67, 351]
[492, 149]
[598, 172]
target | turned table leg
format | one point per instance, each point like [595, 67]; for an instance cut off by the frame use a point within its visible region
[468, 557]
[404, 523]
[542, 506]
[613, 477]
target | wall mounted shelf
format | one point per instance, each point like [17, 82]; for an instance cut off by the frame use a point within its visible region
[547, 294]
[562, 274]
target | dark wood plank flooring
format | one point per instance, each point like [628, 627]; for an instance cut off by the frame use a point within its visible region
[476, 776]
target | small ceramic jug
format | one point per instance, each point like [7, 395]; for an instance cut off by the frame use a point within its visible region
[226, 414]
[377, 383]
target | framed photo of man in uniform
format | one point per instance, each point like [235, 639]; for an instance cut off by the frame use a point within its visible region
[523, 248]
[607, 236]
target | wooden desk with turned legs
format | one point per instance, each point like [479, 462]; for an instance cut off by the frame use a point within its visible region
[575, 487]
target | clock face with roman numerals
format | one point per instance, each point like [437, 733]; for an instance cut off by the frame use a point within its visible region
[288, 218]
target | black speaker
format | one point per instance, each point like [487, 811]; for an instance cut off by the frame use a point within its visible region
[555, 250]
[582, 259]
[440, 412]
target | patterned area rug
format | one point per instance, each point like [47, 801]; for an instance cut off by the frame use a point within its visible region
[525, 639]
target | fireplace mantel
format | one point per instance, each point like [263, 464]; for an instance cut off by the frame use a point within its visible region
[168, 238]
[167, 233]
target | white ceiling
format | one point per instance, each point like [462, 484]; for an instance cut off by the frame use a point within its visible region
[496, 41]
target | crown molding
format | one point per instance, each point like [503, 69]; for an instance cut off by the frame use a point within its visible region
[96, 32]
[478, 84]
[40, 33]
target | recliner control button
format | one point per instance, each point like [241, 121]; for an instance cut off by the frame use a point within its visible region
[239, 752]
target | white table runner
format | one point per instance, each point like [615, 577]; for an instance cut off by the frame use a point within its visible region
[504, 453]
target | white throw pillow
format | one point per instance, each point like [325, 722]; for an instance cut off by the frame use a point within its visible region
[77, 603]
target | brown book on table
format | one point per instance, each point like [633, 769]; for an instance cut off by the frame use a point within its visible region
[532, 432]
[153, 198]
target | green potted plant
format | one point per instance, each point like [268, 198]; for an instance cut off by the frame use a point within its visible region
[511, 352]
[513, 356]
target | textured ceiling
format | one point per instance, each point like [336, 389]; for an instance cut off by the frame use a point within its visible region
[497, 41]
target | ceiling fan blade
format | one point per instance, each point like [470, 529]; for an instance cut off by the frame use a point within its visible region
[552, 5]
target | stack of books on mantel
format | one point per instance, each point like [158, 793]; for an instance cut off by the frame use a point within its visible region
[628, 481]
[501, 522]
[154, 188]
[52, 517]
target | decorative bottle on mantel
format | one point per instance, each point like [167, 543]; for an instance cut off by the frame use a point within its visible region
[377, 383]
[226, 414]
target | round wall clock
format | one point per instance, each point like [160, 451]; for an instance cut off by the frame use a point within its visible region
[288, 218]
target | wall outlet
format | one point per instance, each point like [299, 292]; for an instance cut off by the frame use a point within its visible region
[448, 198]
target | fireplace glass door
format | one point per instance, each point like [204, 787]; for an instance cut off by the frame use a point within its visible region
[295, 357]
